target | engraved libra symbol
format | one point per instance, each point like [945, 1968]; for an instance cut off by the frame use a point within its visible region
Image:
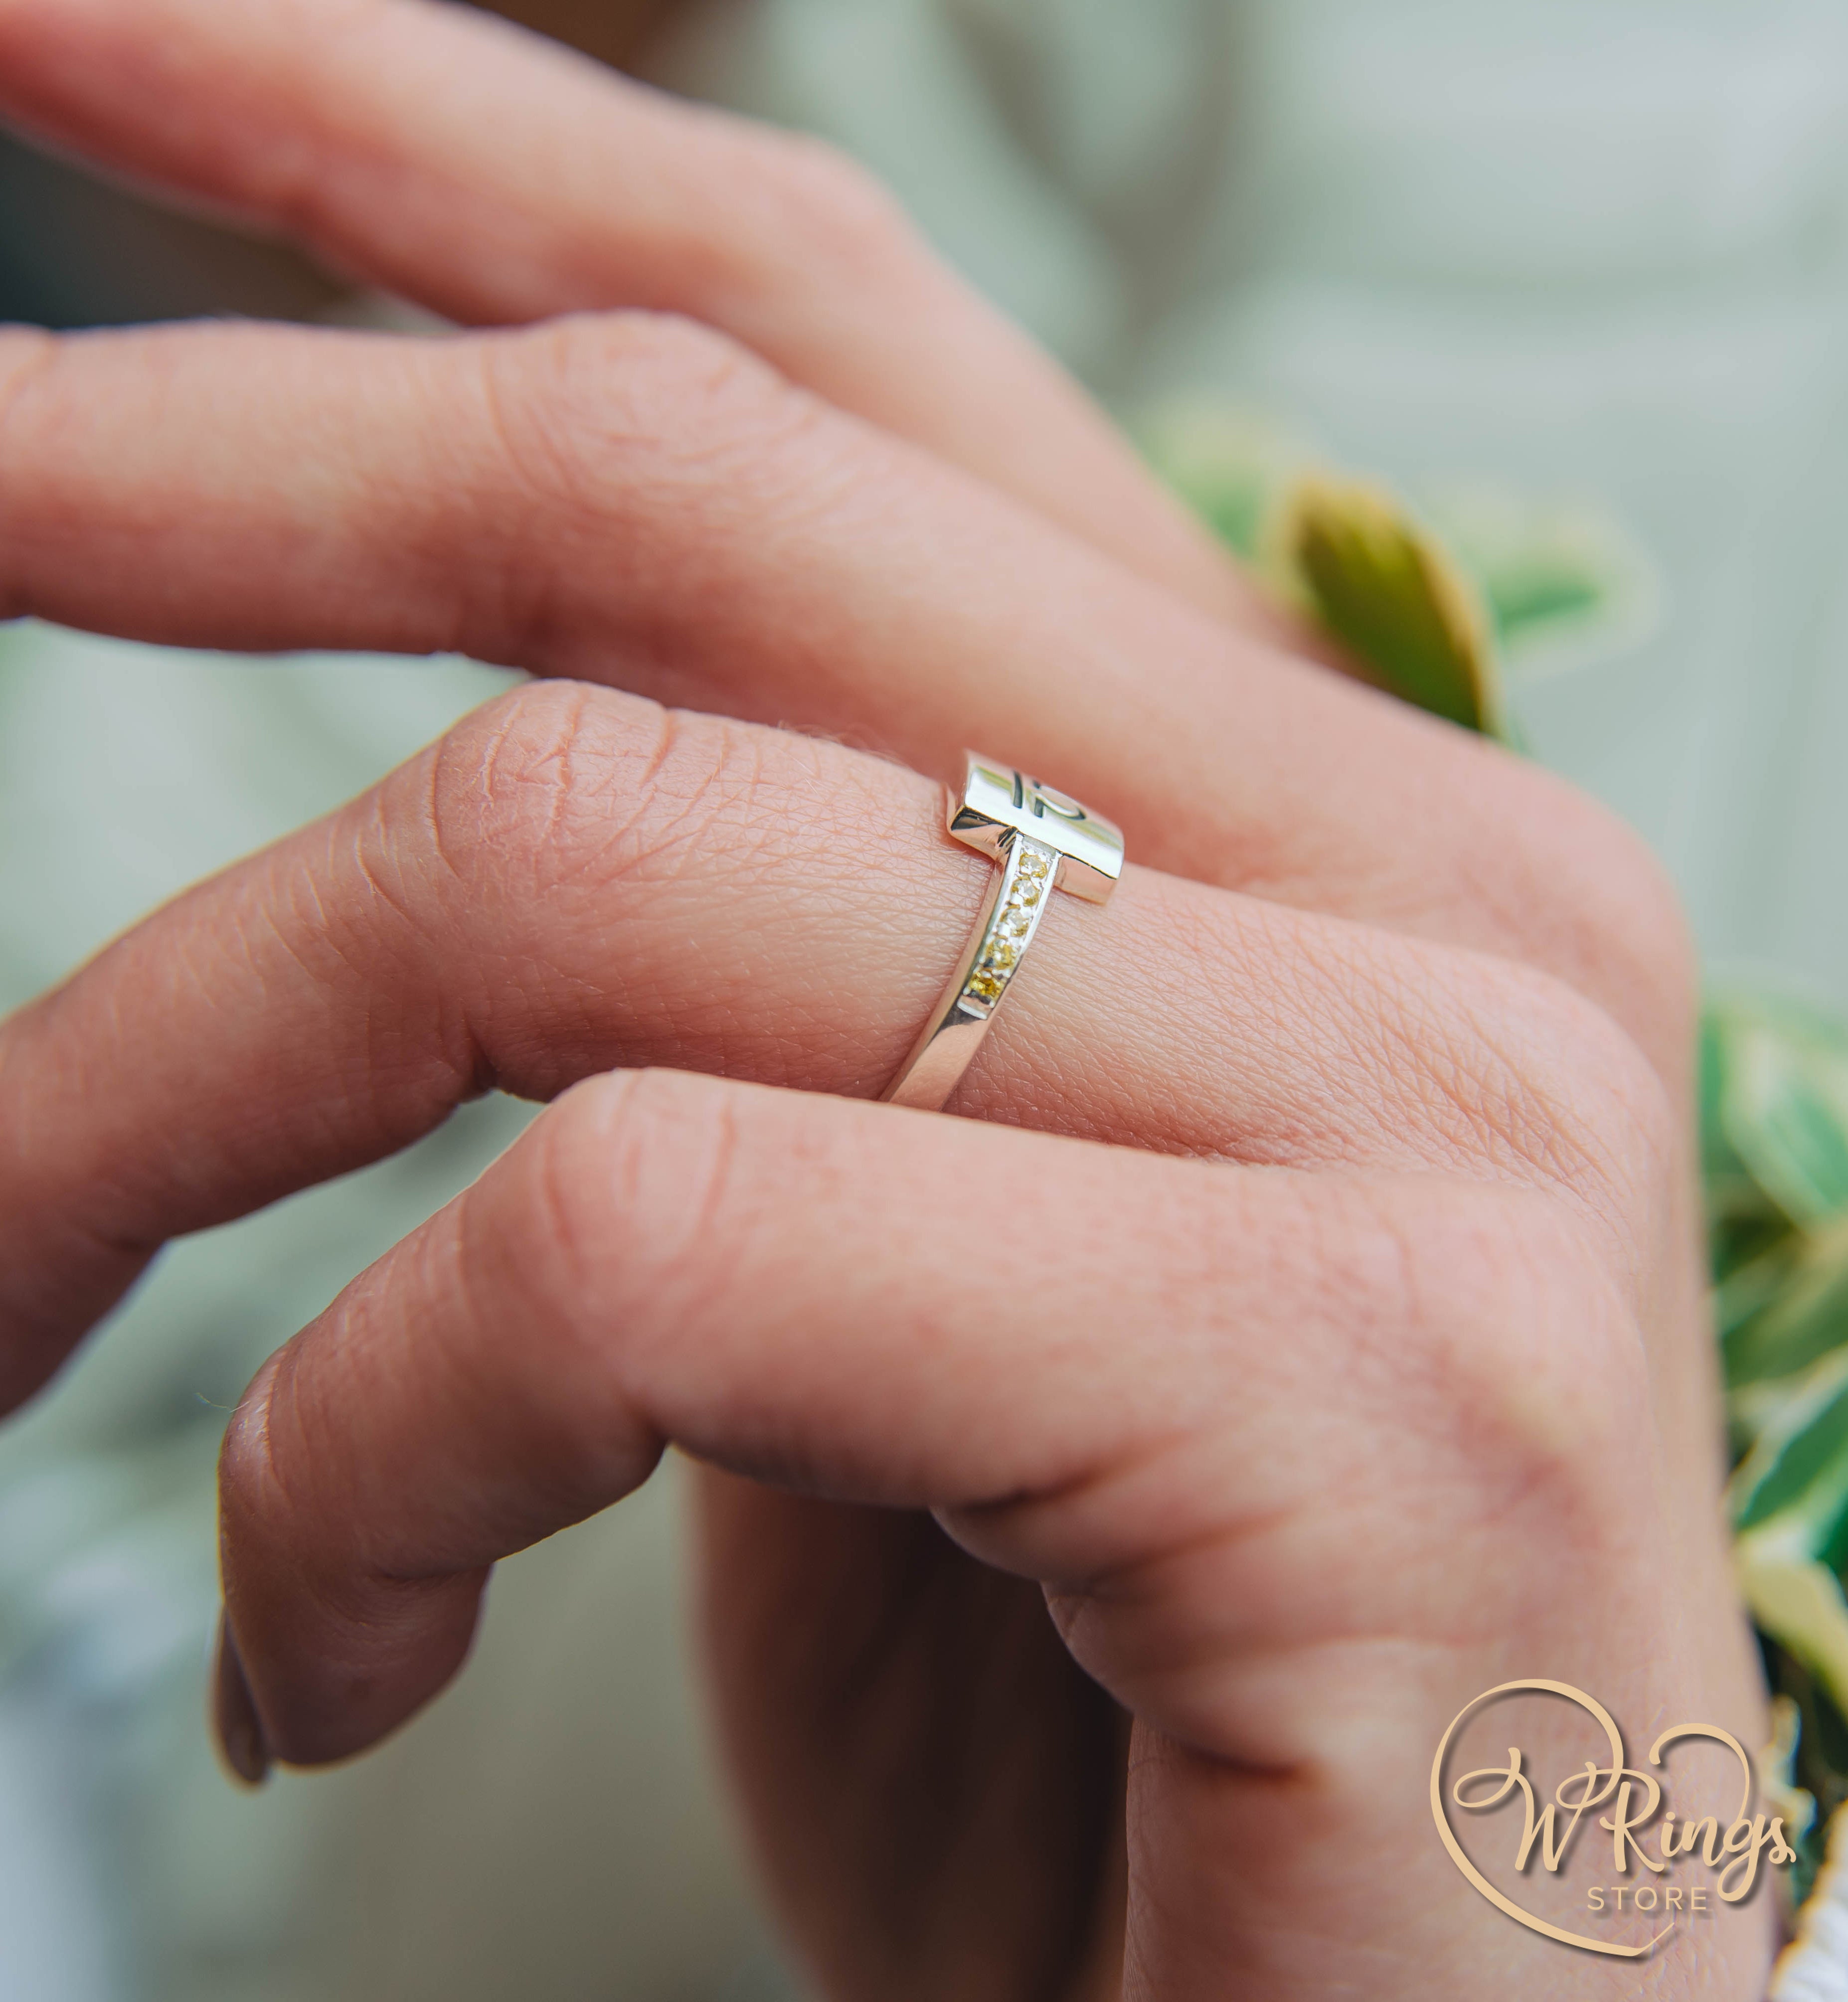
[998, 803]
[1040, 801]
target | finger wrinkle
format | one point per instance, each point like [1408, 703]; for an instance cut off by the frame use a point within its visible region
[646, 440]
[1604, 1165]
[457, 1045]
[1112, 1578]
[433, 822]
[1563, 1396]
[664, 1194]
[625, 1225]
[503, 785]
[526, 583]
[545, 761]
[678, 1166]
[372, 851]
[710, 793]
[623, 794]
[562, 399]
[1471, 1068]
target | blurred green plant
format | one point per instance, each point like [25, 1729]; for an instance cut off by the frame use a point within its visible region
[1774, 1152]
[1440, 605]
[1432, 607]
[1359, 563]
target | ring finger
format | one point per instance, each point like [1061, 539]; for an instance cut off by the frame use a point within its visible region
[574, 881]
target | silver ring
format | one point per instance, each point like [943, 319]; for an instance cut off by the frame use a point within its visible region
[1042, 841]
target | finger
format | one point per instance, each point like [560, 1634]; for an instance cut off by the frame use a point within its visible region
[1267, 1471]
[572, 881]
[635, 500]
[660, 1259]
[498, 179]
[870, 1684]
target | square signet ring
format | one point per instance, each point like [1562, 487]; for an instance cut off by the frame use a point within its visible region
[1040, 841]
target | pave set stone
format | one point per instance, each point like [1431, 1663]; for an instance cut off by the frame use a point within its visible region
[1030, 877]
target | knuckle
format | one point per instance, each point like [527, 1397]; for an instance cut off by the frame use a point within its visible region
[547, 801]
[615, 417]
[504, 784]
[1610, 1136]
[1626, 1126]
[646, 452]
[628, 1228]
[1613, 1106]
[1517, 1366]
[1508, 1067]
[567, 1234]
[1612, 909]
[648, 1149]
[547, 1237]
[1641, 909]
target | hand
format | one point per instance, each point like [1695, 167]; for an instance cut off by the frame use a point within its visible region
[1266, 1423]
[618, 499]
[1305, 1452]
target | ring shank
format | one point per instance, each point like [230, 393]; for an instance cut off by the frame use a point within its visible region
[1018, 894]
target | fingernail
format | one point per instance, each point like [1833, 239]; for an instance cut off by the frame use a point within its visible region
[240, 1730]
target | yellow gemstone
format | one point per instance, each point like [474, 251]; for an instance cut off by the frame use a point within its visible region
[1002, 953]
[986, 983]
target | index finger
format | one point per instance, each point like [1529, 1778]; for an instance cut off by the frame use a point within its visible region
[498, 179]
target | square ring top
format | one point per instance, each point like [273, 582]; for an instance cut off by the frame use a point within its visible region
[997, 802]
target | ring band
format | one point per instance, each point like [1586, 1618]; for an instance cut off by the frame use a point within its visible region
[1042, 841]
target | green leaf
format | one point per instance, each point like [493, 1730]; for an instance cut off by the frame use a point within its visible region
[1382, 586]
[1784, 1312]
[1355, 559]
[1800, 1603]
[1790, 1500]
[1229, 465]
[1719, 1161]
[1778, 1087]
[1798, 1470]
[1563, 582]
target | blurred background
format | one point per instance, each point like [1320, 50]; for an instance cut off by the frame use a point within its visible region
[1563, 272]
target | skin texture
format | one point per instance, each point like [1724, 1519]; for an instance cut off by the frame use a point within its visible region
[1331, 1348]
